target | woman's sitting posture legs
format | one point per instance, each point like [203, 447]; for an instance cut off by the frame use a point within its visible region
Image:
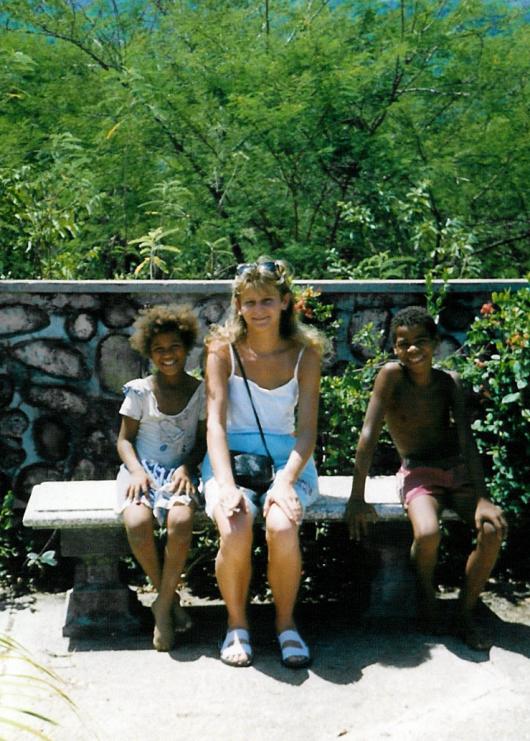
[233, 571]
[284, 572]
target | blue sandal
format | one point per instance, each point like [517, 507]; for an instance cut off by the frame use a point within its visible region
[295, 652]
[236, 642]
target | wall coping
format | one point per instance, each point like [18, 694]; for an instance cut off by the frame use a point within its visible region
[210, 287]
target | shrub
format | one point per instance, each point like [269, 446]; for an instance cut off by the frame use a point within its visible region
[496, 365]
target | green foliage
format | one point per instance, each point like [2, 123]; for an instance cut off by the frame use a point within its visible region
[149, 247]
[42, 209]
[497, 367]
[350, 138]
[343, 403]
[20, 562]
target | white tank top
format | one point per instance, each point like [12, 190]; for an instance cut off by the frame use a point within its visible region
[275, 407]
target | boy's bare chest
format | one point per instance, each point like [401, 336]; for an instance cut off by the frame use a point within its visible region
[423, 407]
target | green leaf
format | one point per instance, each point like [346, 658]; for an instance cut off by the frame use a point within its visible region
[511, 398]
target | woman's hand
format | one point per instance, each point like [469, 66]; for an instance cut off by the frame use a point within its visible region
[232, 500]
[181, 482]
[140, 483]
[284, 495]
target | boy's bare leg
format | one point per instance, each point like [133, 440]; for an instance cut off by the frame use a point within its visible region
[167, 611]
[424, 513]
[478, 569]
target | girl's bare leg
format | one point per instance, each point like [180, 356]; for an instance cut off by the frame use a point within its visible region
[166, 609]
[138, 520]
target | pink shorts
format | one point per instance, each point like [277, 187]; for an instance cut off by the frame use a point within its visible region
[435, 482]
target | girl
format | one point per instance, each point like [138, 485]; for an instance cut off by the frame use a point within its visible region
[161, 442]
[282, 362]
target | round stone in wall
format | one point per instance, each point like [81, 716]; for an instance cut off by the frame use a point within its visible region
[84, 470]
[447, 346]
[13, 423]
[89, 470]
[212, 311]
[456, 316]
[5, 485]
[12, 455]
[53, 357]
[7, 388]
[119, 313]
[81, 327]
[116, 362]
[51, 437]
[32, 475]
[378, 332]
[60, 399]
[17, 319]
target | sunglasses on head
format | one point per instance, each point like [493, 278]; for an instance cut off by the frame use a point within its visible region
[269, 266]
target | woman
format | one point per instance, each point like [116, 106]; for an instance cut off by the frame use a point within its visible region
[281, 360]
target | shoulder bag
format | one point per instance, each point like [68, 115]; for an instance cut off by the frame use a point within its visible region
[252, 470]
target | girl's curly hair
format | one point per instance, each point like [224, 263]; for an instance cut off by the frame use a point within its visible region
[164, 318]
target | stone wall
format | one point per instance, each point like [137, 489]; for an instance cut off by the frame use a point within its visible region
[64, 356]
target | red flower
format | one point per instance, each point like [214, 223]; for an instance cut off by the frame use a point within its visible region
[487, 309]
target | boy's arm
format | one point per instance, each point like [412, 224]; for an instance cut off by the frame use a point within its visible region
[358, 513]
[485, 511]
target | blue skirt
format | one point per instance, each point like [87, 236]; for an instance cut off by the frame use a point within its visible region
[280, 447]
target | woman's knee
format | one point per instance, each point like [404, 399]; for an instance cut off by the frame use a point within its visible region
[280, 530]
[236, 534]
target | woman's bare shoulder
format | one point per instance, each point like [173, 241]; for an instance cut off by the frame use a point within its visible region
[309, 351]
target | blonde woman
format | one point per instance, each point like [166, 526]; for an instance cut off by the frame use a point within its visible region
[280, 358]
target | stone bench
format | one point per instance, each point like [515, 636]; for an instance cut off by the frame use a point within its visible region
[92, 532]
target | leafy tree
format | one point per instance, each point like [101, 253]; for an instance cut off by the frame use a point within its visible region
[347, 137]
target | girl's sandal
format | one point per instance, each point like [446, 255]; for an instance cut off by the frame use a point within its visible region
[295, 652]
[235, 645]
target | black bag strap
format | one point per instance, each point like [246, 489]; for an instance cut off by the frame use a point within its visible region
[244, 375]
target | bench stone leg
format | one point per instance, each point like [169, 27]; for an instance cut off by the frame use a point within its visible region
[99, 603]
[393, 589]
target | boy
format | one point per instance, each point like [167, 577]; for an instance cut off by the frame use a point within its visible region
[424, 410]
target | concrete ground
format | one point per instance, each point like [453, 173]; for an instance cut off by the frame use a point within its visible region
[378, 680]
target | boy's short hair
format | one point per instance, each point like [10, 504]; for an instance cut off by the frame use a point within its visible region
[164, 318]
[410, 317]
